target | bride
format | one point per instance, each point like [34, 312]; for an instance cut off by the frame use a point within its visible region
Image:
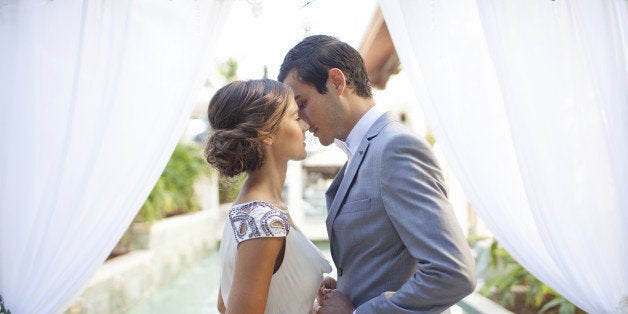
[267, 263]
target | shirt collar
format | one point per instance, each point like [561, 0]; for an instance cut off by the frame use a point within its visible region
[359, 131]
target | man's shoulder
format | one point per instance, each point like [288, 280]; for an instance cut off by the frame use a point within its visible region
[396, 132]
[391, 125]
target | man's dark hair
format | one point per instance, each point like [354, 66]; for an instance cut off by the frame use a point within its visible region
[315, 55]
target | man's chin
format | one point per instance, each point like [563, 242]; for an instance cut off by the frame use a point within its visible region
[325, 142]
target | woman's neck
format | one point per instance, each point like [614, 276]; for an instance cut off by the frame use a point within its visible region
[265, 184]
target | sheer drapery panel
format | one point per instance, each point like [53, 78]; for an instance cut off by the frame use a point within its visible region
[528, 101]
[94, 97]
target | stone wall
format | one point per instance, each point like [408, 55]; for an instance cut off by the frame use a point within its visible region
[171, 245]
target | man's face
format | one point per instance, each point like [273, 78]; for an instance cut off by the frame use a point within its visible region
[320, 111]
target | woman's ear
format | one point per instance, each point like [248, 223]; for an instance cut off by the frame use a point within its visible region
[338, 80]
[268, 140]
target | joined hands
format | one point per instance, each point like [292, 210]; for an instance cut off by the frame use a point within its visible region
[329, 300]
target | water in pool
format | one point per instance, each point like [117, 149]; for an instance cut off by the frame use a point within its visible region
[195, 290]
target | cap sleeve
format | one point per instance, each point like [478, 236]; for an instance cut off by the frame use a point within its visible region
[258, 220]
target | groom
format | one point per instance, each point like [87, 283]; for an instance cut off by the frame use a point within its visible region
[393, 236]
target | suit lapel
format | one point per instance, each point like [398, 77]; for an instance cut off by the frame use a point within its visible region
[331, 193]
[345, 181]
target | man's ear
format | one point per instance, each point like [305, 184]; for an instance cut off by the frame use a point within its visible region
[338, 80]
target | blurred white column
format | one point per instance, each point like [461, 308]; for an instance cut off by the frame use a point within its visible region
[294, 191]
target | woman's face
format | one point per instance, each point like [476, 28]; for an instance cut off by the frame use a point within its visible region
[289, 141]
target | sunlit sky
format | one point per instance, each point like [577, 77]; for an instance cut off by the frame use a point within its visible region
[258, 35]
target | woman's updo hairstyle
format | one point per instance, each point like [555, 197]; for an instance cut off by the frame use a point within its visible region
[241, 115]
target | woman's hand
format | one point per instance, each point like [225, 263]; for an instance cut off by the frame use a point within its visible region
[335, 303]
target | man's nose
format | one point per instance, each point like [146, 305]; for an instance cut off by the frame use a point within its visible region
[304, 117]
[304, 125]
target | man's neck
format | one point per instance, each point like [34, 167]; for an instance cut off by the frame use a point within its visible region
[357, 108]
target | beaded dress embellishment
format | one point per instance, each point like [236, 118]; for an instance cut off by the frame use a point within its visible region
[256, 220]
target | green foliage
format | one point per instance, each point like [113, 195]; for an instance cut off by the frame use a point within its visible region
[511, 274]
[228, 188]
[562, 304]
[174, 191]
[229, 70]
[430, 137]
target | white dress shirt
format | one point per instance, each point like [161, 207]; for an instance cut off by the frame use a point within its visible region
[358, 132]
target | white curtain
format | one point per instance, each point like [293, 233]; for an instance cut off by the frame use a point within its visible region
[94, 96]
[529, 101]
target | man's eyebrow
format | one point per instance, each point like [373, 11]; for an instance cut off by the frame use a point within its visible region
[297, 97]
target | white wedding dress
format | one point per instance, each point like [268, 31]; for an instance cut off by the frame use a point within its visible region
[294, 286]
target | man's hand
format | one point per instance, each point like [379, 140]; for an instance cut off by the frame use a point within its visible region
[327, 284]
[336, 303]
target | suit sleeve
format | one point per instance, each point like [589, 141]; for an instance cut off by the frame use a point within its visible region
[415, 200]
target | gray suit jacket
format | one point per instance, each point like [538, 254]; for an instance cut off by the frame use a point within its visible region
[392, 229]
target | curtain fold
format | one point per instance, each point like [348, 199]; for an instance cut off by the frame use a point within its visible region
[528, 101]
[94, 97]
